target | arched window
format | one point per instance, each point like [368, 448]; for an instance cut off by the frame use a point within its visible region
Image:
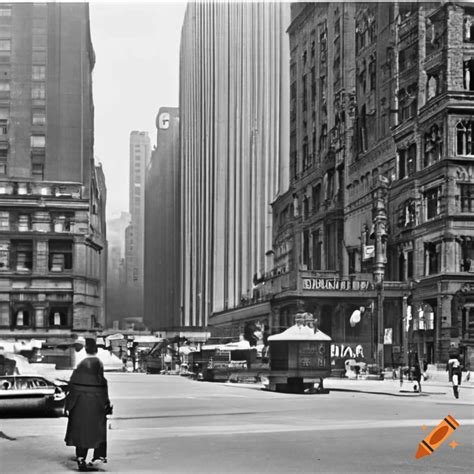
[58, 316]
[464, 135]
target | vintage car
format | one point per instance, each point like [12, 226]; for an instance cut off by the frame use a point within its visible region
[25, 394]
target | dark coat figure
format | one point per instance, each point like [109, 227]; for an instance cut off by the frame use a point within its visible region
[88, 405]
[417, 375]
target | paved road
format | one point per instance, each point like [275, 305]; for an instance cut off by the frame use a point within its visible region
[170, 424]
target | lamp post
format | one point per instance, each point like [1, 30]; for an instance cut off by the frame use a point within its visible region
[379, 219]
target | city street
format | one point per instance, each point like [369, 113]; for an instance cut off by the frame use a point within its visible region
[172, 424]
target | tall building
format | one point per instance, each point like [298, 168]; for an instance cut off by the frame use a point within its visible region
[52, 196]
[378, 212]
[134, 236]
[117, 300]
[233, 116]
[163, 227]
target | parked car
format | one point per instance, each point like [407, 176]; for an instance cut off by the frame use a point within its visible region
[23, 394]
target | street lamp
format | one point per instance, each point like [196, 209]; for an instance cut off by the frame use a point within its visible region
[379, 219]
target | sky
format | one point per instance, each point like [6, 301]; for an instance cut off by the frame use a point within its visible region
[136, 72]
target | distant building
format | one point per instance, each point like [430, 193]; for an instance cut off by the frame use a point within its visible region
[163, 227]
[134, 237]
[52, 195]
[117, 303]
[234, 157]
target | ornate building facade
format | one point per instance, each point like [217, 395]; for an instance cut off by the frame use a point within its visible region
[52, 195]
[378, 214]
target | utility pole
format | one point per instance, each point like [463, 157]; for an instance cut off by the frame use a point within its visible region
[379, 219]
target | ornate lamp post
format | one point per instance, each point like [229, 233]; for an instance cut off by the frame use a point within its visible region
[379, 219]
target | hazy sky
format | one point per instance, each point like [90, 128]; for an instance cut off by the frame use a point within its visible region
[136, 73]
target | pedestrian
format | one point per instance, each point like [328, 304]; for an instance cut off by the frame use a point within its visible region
[87, 407]
[417, 376]
[455, 374]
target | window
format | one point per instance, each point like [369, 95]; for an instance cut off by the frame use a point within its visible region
[331, 246]
[38, 141]
[58, 316]
[432, 258]
[408, 57]
[362, 129]
[38, 90]
[22, 255]
[3, 127]
[432, 202]
[433, 145]
[316, 195]
[38, 73]
[305, 207]
[5, 11]
[5, 45]
[23, 223]
[60, 255]
[467, 197]
[305, 247]
[303, 86]
[39, 57]
[316, 250]
[306, 161]
[38, 118]
[465, 137]
[372, 74]
[37, 171]
[4, 247]
[3, 169]
[468, 77]
[411, 159]
[22, 318]
[468, 28]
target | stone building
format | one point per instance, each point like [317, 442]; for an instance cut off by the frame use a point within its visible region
[378, 211]
[52, 195]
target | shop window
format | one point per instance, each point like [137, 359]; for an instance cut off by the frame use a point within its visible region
[467, 197]
[22, 318]
[433, 145]
[58, 316]
[465, 137]
[60, 255]
[432, 258]
[432, 203]
[22, 255]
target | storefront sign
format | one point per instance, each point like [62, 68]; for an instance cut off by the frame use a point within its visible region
[332, 284]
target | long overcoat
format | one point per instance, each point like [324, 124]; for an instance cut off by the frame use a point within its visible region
[87, 404]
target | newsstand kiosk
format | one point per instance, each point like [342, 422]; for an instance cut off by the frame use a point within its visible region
[299, 358]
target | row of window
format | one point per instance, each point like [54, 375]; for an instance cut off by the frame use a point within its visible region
[22, 222]
[17, 255]
[57, 316]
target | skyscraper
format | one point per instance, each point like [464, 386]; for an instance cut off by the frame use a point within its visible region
[134, 256]
[52, 196]
[163, 226]
[234, 140]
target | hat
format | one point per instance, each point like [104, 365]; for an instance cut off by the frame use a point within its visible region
[91, 346]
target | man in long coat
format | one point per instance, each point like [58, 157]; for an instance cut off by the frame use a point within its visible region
[88, 405]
